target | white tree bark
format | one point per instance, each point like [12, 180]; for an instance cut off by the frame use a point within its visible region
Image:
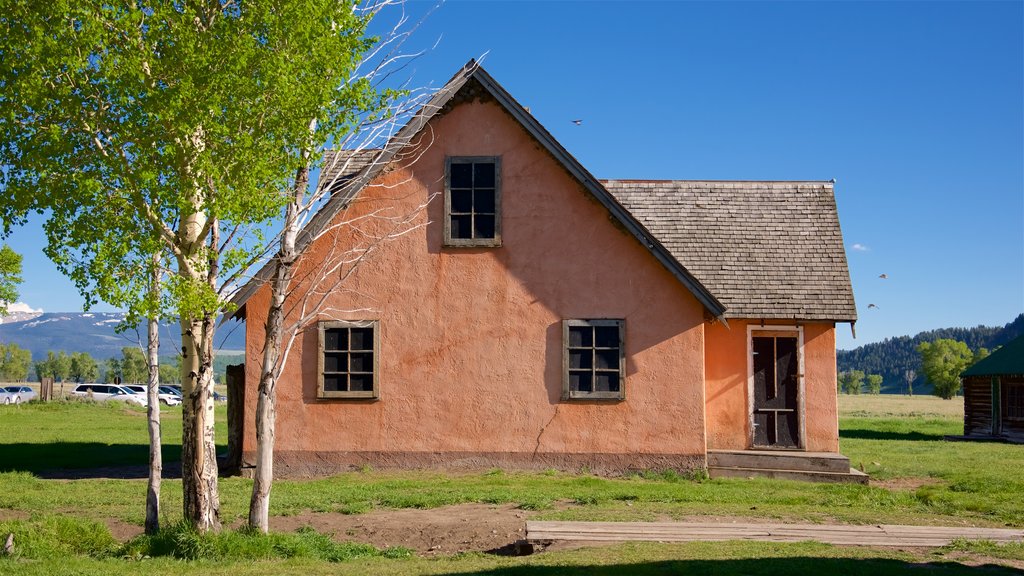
[153, 412]
[200, 496]
[266, 401]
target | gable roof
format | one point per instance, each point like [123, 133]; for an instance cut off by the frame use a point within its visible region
[1003, 362]
[473, 72]
[765, 249]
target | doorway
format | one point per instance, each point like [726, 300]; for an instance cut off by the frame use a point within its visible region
[776, 370]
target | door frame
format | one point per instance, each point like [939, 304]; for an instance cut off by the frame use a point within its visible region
[801, 415]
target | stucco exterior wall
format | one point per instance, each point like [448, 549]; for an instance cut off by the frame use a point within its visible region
[728, 411]
[470, 366]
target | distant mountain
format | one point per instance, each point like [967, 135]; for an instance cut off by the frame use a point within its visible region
[93, 332]
[892, 357]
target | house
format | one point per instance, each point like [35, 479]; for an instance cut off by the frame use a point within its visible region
[994, 395]
[509, 309]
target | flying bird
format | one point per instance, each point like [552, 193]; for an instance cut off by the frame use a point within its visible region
[577, 122]
[883, 276]
[872, 306]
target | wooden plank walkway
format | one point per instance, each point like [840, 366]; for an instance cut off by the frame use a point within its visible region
[848, 535]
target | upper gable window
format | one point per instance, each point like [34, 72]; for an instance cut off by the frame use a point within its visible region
[472, 201]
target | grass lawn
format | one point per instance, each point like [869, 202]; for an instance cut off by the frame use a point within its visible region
[917, 479]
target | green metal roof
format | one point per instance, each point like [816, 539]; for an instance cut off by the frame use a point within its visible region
[1007, 360]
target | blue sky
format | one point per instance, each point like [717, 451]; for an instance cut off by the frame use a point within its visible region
[914, 108]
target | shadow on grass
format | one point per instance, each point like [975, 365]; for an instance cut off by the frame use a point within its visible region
[72, 460]
[864, 434]
[780, 566]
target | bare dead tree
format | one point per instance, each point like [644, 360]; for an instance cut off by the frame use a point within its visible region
[307, 219]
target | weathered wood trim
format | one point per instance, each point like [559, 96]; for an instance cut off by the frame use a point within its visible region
[450, 242]
[857, 535]
[322, 327]
[567, 393]
[785, 331]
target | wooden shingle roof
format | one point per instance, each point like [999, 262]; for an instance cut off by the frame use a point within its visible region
[764, 249]
[340, 166]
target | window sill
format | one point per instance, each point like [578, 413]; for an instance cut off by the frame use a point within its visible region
[485, 243]
[321, 395]
[598, 396]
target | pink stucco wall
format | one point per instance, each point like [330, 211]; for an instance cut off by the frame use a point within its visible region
[728, 410]
[470, 339]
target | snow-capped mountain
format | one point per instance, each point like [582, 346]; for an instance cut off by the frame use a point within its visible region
[94, 332]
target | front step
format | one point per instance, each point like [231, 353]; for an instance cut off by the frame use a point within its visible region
[850, 476]
[779, 460]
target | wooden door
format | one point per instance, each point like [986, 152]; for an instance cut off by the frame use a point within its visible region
[776, 411]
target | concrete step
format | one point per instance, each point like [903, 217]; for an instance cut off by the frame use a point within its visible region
[850, 476]
[779, 460]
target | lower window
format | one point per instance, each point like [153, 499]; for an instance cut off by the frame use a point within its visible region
[348, 359]
[594, 359]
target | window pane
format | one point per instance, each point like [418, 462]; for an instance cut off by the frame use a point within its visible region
[607, 359]
[581, 336]
[336, 339]
[483, 226]
[580, 382]
[483, 175]
[362, 362]
[462, 176]
[607, 382]
[462, 201]
[606, 336]
[483, 201]
[362, 339]
[335, 362]
[462, 226]
[361, 382]
[580, 359]
[334, 383]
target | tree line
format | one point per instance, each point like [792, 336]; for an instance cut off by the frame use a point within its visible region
[131, 367]
[897, 358]
[942, 361]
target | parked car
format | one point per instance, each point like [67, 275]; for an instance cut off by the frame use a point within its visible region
[108, 392]
[6, 397]
[217, 396]
[172, 390]
[169, 399]
[17, 394]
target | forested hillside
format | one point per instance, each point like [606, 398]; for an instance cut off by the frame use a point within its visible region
[892, 357]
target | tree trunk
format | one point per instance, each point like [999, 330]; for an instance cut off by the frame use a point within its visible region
[266, 402]
[156, 465]
[198, 451]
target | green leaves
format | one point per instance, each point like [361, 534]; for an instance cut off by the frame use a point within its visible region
[10, 277]
[943, 360]
[122, 121]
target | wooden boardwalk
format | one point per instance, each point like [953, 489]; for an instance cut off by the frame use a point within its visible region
[847, 535]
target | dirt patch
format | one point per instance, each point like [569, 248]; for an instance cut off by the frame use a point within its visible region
[911, 483]
[6, 515]
[123, 531]
[437, 531]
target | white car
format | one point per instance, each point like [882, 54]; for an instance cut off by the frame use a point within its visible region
[165, 397]
[108, 392]
[16, 394]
